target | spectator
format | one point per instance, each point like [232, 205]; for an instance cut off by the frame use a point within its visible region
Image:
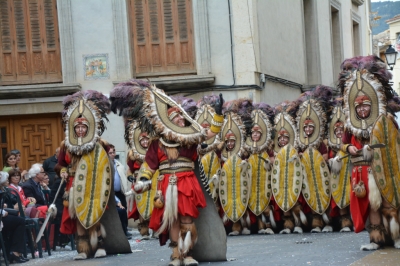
[123, 216]
[10, 162]
[18, 157]
[14, 226]
[48, 166]
[120, 180]
[32, 187]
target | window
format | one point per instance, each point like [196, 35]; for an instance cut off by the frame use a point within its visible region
[356, 39]
[162, 37]
[336, 40]
[30, 49]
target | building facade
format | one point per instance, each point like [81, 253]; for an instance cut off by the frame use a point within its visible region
[266, 50]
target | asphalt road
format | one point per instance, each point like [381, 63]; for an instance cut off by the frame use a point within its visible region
[305, 249]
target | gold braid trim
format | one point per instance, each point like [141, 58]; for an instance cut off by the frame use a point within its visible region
[216, 123]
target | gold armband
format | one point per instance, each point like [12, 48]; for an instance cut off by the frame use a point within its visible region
[344, 147]
[145, 172]
[216, 123]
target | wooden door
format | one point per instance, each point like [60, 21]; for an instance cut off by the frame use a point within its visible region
[37, 137]
[4, 141]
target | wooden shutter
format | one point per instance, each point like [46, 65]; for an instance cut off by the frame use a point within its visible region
[162, 37]
[30, 49]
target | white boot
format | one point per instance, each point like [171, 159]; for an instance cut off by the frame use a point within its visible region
[245, 231]
[345, 229]
[81, 256]
[269, 231]
[369, 247]
[100, 253]
[316, 230]
[234, 233]
[175, 262]
[285, 231]
[327, 229]
[397, 243]
[298, 230]
[189, 261]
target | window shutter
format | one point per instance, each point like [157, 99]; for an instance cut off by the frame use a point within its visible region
[34, 51]
[162, 37]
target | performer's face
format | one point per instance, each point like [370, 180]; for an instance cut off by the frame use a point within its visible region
[339, 132]
[283, 141]
[179, 120]
[309, 130]
[144, 142]
[255, 136]
[230, 144]
[81, 130]
[363, 111]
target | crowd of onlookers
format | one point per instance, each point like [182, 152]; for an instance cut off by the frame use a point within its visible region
[33, 188]
[36, 189]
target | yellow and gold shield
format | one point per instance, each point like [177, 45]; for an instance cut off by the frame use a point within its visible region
[234, 187]
[340, 184]
[145, 201]
[211, 166]
[286, 177]
[92, 186]
[386, 162]
[260, 191]
[316, 189]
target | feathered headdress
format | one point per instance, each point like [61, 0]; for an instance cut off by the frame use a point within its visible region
[211, 100]
[148, 105]
[89, 108]
[365, 76]
[188, 104]
[243, 107]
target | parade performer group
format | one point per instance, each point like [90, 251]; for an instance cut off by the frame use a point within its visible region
[318, 163]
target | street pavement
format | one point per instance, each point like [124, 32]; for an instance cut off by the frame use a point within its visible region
[304, 249]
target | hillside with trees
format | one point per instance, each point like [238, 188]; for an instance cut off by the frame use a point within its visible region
[382, 11]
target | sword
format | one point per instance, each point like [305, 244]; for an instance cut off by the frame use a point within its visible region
[373, 146]
[48, 215]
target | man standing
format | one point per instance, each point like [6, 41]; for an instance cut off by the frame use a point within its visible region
[48, 166]
[120, 181]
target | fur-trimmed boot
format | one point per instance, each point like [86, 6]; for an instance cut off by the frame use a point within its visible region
[187, 240]
[391, 222]
[82, 247]
[236, 229]
[143, 228]
[345, 223]
[175, 256]
[376, 237]
[316, 223]
[288, 224]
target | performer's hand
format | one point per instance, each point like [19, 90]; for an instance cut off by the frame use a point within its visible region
[352, 150]
[203, 145]
[142, 186]
[219, 104]
[53, 210]
[64, 175]
[131, 178]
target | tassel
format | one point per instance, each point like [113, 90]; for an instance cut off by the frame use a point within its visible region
[336, 165]
[187, 242]
[368, 153]
[171, 205]
[272, 219]
[394, 228]
[296, 219]
[71, 202]
[103, 231]
[303, 218]
[248, 221]
[263, 219]
[325, 218]
[374, 195]
[93, 239]
[385, 223]
[180, 244]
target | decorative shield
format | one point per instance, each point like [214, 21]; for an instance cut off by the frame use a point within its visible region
[310, 109]
[386, 162]
[265, 142]
[92, 186]
[284, 121]
[211, 166]
[145, 201]
[234, 187]
[287, 178]
[260, 193]
[337, 116]
[233, 124]
[316, 189]
[340, 184]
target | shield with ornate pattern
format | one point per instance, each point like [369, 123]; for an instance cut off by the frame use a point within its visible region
[145, 201]
[260, 191]
[316, 188]
[286, 177]
[340, 183]
[212, 167]
[92, 186]
[386, 162]
[234, 187]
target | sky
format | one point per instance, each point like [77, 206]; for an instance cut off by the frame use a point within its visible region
[384, 0]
